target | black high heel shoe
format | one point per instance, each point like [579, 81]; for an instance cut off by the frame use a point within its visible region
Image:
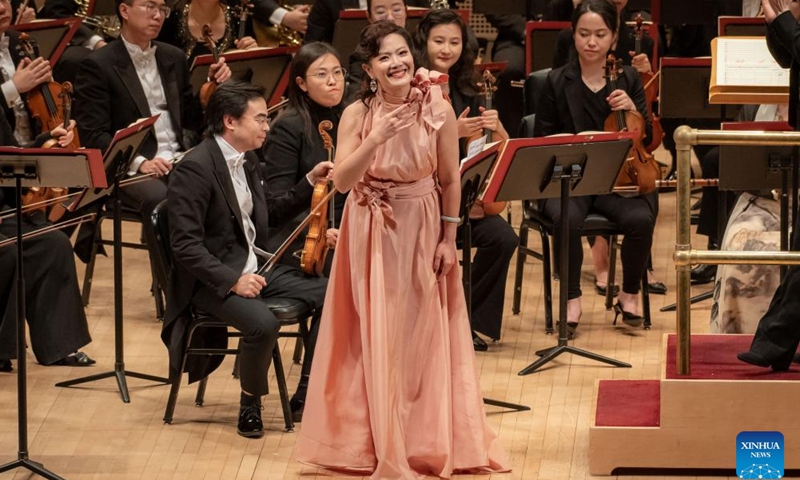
[630, 319]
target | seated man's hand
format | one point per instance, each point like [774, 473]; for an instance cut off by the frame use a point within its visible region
[320, 171]
[158, 167]
[249, 285]
[297, 19]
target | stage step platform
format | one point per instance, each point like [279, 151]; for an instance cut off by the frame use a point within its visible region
[692, 422]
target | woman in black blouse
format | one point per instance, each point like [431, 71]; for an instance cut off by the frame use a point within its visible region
[294, 153]
[575, 99]
[444, 44]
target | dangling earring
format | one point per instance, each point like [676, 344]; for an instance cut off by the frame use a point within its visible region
[373, 85]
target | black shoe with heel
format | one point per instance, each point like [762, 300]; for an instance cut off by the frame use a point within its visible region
[478, 343]
[250, 424]
[630, 319]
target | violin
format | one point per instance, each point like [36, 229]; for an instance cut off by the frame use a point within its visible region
[650, 91]
[208, 88]
[488, 85]
[46, 100]
[315, 249]
[640, 168]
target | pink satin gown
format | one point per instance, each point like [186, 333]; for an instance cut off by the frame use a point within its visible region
[394, 392]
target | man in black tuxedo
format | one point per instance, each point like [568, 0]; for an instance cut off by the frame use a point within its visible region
[218, 219]
[135, 77]
[778, 334]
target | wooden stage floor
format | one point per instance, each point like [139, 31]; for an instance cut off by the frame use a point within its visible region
[88, 433]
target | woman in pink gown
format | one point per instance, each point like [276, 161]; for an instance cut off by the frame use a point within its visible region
[394, 392]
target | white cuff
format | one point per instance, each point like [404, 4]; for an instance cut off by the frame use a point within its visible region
[277, 16]
[92, 42]
[135, 164]
[10, 92]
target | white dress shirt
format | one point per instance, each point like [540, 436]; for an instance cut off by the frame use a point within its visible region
[235, 161]
[147, 70]
[22, 127]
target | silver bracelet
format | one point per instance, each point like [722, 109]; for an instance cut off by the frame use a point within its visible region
[445, 218]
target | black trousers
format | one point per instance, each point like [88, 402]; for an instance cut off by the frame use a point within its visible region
[53, 305]
[258, 324]
[634, 215]
[778, 332]
[495, 243]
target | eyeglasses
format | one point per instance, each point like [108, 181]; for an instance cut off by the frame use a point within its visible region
[322, 75]
[151, 9]
[399, 12]
[262, 119]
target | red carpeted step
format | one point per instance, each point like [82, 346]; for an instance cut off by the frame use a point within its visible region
[628, 403]
[713, 357]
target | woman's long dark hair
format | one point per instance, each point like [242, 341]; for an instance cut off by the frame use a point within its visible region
[462, 71]
[370, 45]
[300, 101]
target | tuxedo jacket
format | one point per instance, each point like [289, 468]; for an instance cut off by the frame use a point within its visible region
[560, 108]
[109, 96]
[784, 45]
[209, 246]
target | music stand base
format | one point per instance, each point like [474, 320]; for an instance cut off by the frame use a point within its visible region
[692, 301]
[35, 467]
[120, 374]
[553, 352]
[511, 406]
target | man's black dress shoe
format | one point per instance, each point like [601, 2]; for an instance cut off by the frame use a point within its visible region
[77, 359]
[5, 365]
[703, 274]
[250, 425]
[759, 360]
[297, 407]
[478, 343]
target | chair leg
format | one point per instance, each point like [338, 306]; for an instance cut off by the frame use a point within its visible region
[646, 301]
[297, 357]
[173, 393]
[612, 271]
[547, 273]
[521, 256]
[280, 377]
[88, 274]
[201, 392]
[235, 372]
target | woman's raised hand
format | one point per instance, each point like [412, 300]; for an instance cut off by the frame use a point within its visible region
[392, 123]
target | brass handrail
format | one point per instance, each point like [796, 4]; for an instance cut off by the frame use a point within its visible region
[685, 256]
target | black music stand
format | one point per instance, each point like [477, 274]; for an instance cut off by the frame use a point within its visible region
[51, 37]
[39, 168]
[474, 174]
[267, 67]
[559, 167]
[120, 153]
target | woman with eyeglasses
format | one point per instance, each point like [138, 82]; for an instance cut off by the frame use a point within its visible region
[394, 392]
[444, 44]
[184, 27]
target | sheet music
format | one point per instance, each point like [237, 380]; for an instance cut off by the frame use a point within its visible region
[747, 62]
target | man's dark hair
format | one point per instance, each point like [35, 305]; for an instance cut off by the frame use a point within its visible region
[117, 3]
[230, 98]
